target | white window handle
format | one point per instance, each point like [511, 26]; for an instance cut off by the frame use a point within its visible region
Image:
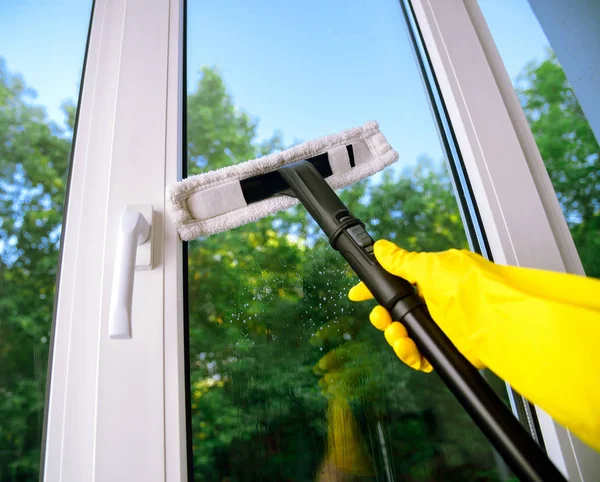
[134, 230]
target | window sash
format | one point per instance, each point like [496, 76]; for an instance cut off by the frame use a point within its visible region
[116, 409]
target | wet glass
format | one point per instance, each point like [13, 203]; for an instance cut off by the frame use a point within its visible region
[41, 60]
[289, 380]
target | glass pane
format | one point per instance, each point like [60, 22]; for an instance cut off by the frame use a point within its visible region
[268, 301]
[566, 142]
[43, 46]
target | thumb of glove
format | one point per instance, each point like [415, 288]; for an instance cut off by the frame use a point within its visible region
[413, 267]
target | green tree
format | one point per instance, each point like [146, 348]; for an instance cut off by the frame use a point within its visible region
[570, 152]
[267, 300]
[259, 293]
[34, 155]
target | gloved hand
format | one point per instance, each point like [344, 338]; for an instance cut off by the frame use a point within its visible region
[538, 330]
[437, 277]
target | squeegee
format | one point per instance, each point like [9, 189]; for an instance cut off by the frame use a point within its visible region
[226, 198]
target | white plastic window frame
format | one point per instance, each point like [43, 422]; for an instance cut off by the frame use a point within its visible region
[518, 206]
[116, 408]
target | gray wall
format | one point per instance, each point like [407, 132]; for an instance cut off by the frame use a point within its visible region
[573, 29]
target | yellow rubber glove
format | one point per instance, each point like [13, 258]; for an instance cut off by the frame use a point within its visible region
[538, 330]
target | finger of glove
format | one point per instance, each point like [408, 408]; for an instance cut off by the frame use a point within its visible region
[408, 265]
[395, 331]
[360, 292]
[380, 318]
[408, 352]
[405, 348]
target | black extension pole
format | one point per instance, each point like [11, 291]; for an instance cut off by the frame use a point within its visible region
[347, 235]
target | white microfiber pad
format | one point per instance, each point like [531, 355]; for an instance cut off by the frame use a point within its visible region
[213, 202]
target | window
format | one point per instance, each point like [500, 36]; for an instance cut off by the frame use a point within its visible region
[270, 326]
[563, 135]
[265, 77]
[504, 168]
[40, 70]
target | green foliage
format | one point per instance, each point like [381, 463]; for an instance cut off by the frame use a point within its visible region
[219, 133]
[268, 300]
[570, 151]
[34, 156]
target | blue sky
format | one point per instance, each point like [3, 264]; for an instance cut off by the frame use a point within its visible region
[44, 40]
[307, 68]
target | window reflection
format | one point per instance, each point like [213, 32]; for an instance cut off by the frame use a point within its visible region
[289, 381]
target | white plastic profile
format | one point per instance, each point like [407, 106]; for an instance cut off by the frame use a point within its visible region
[134, 230]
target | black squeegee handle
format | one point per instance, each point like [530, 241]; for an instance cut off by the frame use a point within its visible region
[348, 236]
